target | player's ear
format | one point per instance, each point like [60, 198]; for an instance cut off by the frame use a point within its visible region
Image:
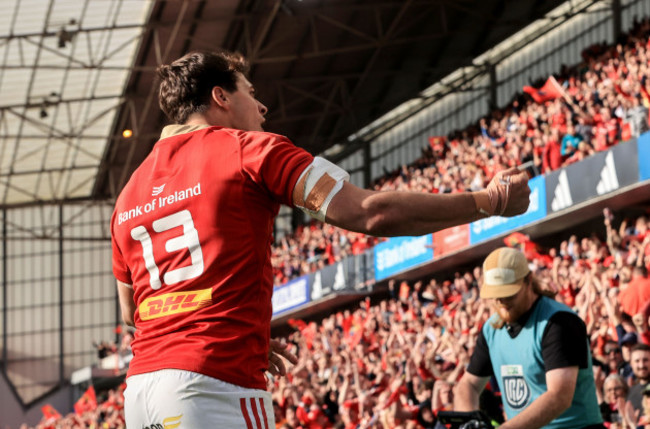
[220, 97]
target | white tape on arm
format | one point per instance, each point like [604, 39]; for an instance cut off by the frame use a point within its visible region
[317, 185]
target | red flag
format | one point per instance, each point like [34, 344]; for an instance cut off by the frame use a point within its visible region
[49, 412]
[87, 402]
[525, 244]
[528, 247]
[437, 143]
[297, 324]
[550, 91]
[515, 239]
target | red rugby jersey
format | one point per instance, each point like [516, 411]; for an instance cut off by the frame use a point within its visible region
[191, 232]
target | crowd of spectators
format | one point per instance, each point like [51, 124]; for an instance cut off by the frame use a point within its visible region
[394, 363]
[106, 412]
[603, 100]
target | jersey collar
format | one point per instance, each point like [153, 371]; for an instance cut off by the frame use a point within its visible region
[176, 129]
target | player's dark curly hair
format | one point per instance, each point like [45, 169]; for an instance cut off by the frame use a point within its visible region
[186, 84]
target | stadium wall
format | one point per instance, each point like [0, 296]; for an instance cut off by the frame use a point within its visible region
[58, 297]
[633, 9]
[403, 143]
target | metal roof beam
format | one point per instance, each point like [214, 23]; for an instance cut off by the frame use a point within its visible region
[32, 105]
[44, 33]
[264, 32]
[355, 48]
[371, 63]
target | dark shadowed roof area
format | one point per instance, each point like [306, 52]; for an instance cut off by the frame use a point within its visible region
[324, 68]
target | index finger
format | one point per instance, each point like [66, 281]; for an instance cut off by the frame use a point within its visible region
[519, 176]
[280, 348]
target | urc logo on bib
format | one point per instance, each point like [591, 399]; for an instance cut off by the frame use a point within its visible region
[515, 388]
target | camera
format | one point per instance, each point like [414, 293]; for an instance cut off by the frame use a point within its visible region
[465, 419]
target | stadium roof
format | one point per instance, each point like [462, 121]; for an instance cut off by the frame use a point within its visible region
[64, 66]
[74, 74]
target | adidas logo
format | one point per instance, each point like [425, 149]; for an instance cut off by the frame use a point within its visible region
[608, 179]
[562, 195]
[157, 190]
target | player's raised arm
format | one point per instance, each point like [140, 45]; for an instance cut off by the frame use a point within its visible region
[394, 213]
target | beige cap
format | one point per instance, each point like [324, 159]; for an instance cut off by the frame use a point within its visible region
[503, 272]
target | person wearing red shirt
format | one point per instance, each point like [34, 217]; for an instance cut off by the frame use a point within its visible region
[636, 296]
[552, 154]
[606, 131]
[191, 235]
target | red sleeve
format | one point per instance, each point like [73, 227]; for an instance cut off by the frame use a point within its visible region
[120, 269]
[274, 163]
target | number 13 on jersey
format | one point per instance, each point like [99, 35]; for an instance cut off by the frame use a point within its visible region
[188, 240]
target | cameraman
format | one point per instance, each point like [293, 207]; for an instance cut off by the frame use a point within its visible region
[536, 348]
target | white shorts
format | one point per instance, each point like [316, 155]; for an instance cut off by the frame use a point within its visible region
[173, 398]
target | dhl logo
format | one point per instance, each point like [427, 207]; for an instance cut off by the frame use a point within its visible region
[174, 303]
